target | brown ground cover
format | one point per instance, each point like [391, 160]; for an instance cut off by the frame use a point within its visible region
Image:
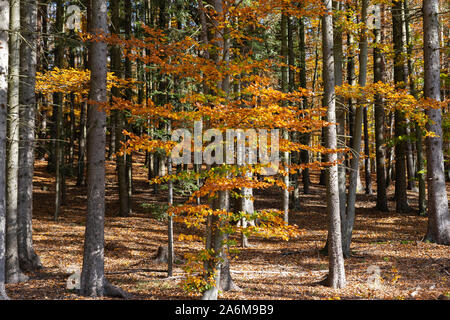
[270, 269]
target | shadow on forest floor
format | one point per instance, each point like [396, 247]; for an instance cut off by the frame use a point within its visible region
[269, 269]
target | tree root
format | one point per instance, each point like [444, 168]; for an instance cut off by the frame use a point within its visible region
[114, 292]
[30, 264]
[3, 295]
[17, 278]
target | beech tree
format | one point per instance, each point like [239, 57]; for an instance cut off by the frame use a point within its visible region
[13, 272]
[438, 214]
[400, 80]
[336, 276]
[134, 71]
[93, 282]
[4, 26]
[28, 258]
[380, 150]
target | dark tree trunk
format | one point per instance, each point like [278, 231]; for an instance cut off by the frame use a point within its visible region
[93, 282]
[58, 151]
[400, 80]
[28, 259]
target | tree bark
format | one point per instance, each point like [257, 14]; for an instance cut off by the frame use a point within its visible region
[28, 259]
[285, 88]
[340, 111]
[93, 282]
[438, 214]
[305, 138]
[82, 146]
[420, 165]
[400, 80]
[215, 237]
[357, 133]
[336, 276]
[58, 117]
[13, 271]
[380, 152]
[4, 27]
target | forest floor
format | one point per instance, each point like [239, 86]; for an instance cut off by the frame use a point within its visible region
[270, 269]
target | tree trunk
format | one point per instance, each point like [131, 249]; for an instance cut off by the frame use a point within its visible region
[400, 80]
[13, 272]
[58, 110]
[28, 259]
[305, 138]
[119, 116]
[438, 214]
[4, 27]
[93, 282]
[420, 165]
[380, 152]
[367, 171]
[340, 111]
[336, 276]
[357, 133]
[82, 146]
[215, 237]
[351, 79]
[170, 218]
[285, 88]
[129, 96]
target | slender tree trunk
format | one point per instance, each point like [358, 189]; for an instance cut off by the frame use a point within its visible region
[378, 63]
[170, 218]
[304, 154]
[13, 271]
[129, 96]
[247, 206]
[82, 146]
[28, 259]
[400, 80]
[367, 170]
[351, 79]
[357, 133]
[340, 111]
[285, 88]
[4, 27]
[58, 109]
[336, 276]
[119, 116]
[420, 165]
[438, 213]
